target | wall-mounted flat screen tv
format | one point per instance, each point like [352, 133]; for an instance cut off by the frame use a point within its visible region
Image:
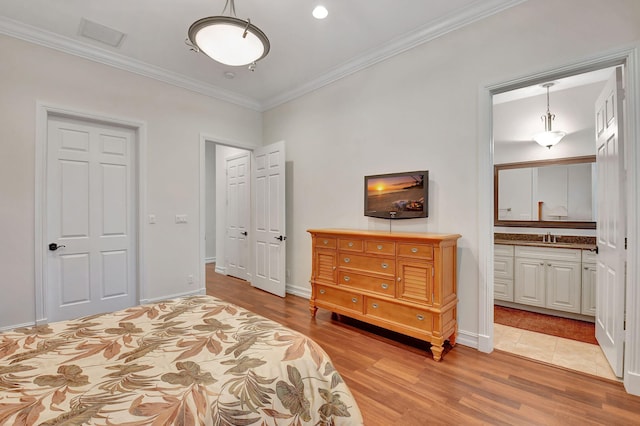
[397, 195]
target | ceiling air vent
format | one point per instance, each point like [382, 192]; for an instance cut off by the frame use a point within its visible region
[101, 33]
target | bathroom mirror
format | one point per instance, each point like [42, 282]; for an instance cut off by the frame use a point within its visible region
[558, 193]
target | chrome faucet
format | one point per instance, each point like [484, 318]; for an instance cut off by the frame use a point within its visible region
[549, 238]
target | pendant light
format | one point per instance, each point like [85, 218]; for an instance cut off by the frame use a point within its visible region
[549, 137]
[228, 39]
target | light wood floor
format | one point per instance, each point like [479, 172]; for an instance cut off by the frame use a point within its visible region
[396, 382]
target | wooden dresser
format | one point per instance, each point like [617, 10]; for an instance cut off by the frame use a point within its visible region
[405, 282]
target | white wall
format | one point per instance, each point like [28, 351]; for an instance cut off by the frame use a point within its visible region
[419, 110]
[174, 120]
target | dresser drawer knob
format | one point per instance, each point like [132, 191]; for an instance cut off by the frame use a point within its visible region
[385, 265]
[379, 246]
[347, 260]
[354, 300]
[420, 317]
[384, 286]
[322, 291]
[347, 278]
[374, 306]
[325, 242]
[414, 250]
[350, 244]
[399, 279]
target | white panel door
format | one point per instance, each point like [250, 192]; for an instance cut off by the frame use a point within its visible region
[90, 266]
[611, 223]
[269, 219]
[238, 214]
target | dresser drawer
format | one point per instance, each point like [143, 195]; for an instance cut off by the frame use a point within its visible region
[340, 298]
[417, 251]
[365, 282]
[350, 245]
[375, 264]
[403, 315]
[326, 242]
[381, 247]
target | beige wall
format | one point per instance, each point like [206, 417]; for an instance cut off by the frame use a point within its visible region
[419, 110]
[174, 119]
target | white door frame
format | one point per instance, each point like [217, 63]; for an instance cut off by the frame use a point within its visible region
[630, 57]
[43, 112]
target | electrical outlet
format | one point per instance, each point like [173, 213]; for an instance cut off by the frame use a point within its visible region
[190, 280]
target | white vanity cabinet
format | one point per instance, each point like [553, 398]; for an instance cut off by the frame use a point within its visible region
[588, 283]
[548, 278]
[503, 272]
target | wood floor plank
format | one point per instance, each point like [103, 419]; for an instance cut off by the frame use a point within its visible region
[396, 382]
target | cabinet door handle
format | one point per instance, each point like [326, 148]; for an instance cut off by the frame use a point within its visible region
[386, 286]
[334, 268]
[548, 264]
[414, 250]
[347, 260]
[379, 247]
[374, 306]
[384, 266]
[354, 300]
[420, 317]
[542, 264]
[322, 291]
[399, 279]
[346, 278]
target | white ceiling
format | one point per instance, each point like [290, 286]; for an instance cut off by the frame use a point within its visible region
[305, 53]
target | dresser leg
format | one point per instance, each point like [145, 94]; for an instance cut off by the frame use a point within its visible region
[452, 339]
[437, 352]
[313, 310]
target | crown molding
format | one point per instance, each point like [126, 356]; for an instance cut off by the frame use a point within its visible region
[94, 53]
[480, 9]
[477, 11]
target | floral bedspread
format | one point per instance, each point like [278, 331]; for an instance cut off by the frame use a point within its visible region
[189, 361]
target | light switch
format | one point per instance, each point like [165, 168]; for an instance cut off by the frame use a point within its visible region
[181, 218]
[152, 219]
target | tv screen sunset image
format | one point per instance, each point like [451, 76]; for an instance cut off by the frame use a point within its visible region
[396, 193]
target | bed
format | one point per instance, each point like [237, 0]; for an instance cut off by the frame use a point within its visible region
[189, 361]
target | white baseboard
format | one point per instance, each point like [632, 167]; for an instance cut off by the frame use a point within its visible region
[209, 260]
[221, 270]
[13, 327]
[632, 383]
[466, 338]
[295, 290]
[173, 296]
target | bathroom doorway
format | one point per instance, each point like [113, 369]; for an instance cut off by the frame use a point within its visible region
[526, 320]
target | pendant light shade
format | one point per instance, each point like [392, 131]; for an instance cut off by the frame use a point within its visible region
[228, 40]
[549, 137]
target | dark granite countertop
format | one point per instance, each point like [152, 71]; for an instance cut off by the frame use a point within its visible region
[562, 241]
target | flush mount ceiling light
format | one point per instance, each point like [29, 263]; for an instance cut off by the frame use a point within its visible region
[228, 39]
[549, 137]
[320, 12]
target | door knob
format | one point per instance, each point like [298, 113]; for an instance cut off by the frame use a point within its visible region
[245, 233]
[54, 246]
[281, 238]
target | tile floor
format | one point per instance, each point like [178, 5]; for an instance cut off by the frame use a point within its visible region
[554, 350]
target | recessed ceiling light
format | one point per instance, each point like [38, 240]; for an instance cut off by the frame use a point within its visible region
[320, 12]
